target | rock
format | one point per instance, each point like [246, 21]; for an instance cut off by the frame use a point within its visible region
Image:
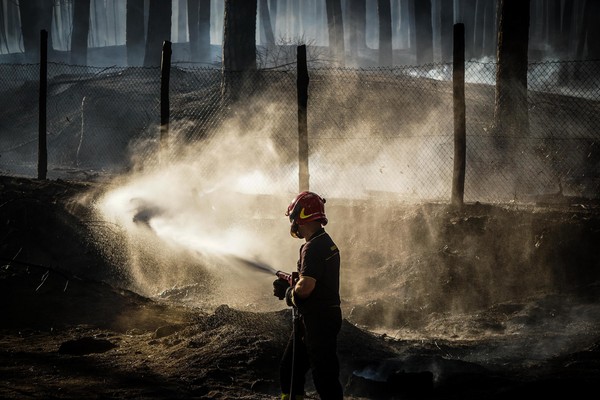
[166, 330]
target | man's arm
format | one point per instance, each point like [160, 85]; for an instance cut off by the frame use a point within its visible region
[304, 286]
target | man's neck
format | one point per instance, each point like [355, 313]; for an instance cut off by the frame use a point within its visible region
[312, 233]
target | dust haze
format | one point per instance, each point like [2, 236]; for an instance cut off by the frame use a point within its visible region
[203, 222]
[189, 213]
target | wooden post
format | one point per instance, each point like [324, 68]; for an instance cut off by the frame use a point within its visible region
[165, 73]
[42, 144]
[460, 131]
[302, 85]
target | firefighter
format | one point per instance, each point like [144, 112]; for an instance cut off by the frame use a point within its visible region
[315, 299]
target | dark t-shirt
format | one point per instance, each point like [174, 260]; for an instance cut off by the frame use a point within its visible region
[320, 259]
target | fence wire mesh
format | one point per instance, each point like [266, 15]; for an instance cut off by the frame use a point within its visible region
[379, 132]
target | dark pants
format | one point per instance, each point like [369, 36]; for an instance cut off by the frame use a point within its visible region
[316, 349]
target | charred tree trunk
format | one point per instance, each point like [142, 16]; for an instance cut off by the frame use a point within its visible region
[12, 26]
[193, 10]
[583, 31]
[273, 11]
[424, 32]
[265, 21]
[581, 35]
[3, 39]
[159, 31]
[42, 132]
[295, 20]
[593, 30]
[460, 129]
[182, 12]
[466, 15]
[356, 13]
[511, 108]
[81, 28]
[446, 28]
[384, 13]
[134, 32]
[395, 18]
[566, 24]
[336, 30]
[563, 46]
[479, 26]
[536, 27]
[283, 13]
[554, 24]
[165, 75]
[101, 24]
[489, 30]
[204, 31]
[36, 15]
[239, 46]
[407, 24]
[199, 30]
[62, 22]
[302, 88]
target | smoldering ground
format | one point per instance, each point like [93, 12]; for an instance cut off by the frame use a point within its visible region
[542, 343]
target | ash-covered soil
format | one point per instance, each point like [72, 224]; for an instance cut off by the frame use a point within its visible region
[72, 328]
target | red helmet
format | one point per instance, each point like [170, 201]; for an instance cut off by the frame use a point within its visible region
[307, 207]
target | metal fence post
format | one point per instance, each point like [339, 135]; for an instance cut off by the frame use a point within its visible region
[302, 86]
[165, 73]
[42, 144]
[458, 96]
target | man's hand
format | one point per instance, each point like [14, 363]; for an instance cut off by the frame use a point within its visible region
[279, 288]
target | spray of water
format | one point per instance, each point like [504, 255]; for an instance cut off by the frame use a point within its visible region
[204, 220]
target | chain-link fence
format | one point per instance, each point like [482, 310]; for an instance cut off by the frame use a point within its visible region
[558, 159]
[372, 132]
[94, 115]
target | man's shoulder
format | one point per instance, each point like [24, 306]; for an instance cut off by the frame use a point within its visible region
[323, 242]
[319, 237]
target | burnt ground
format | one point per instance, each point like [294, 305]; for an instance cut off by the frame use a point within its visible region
[69, 329]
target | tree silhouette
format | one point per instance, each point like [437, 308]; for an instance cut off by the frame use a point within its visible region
[335, 26]
[35, 16]
[424, 31]
[384, 12]
[239, 46]
[199, 30]
[134, 32]
[511, 109]
[81, 28]
[159, 30]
